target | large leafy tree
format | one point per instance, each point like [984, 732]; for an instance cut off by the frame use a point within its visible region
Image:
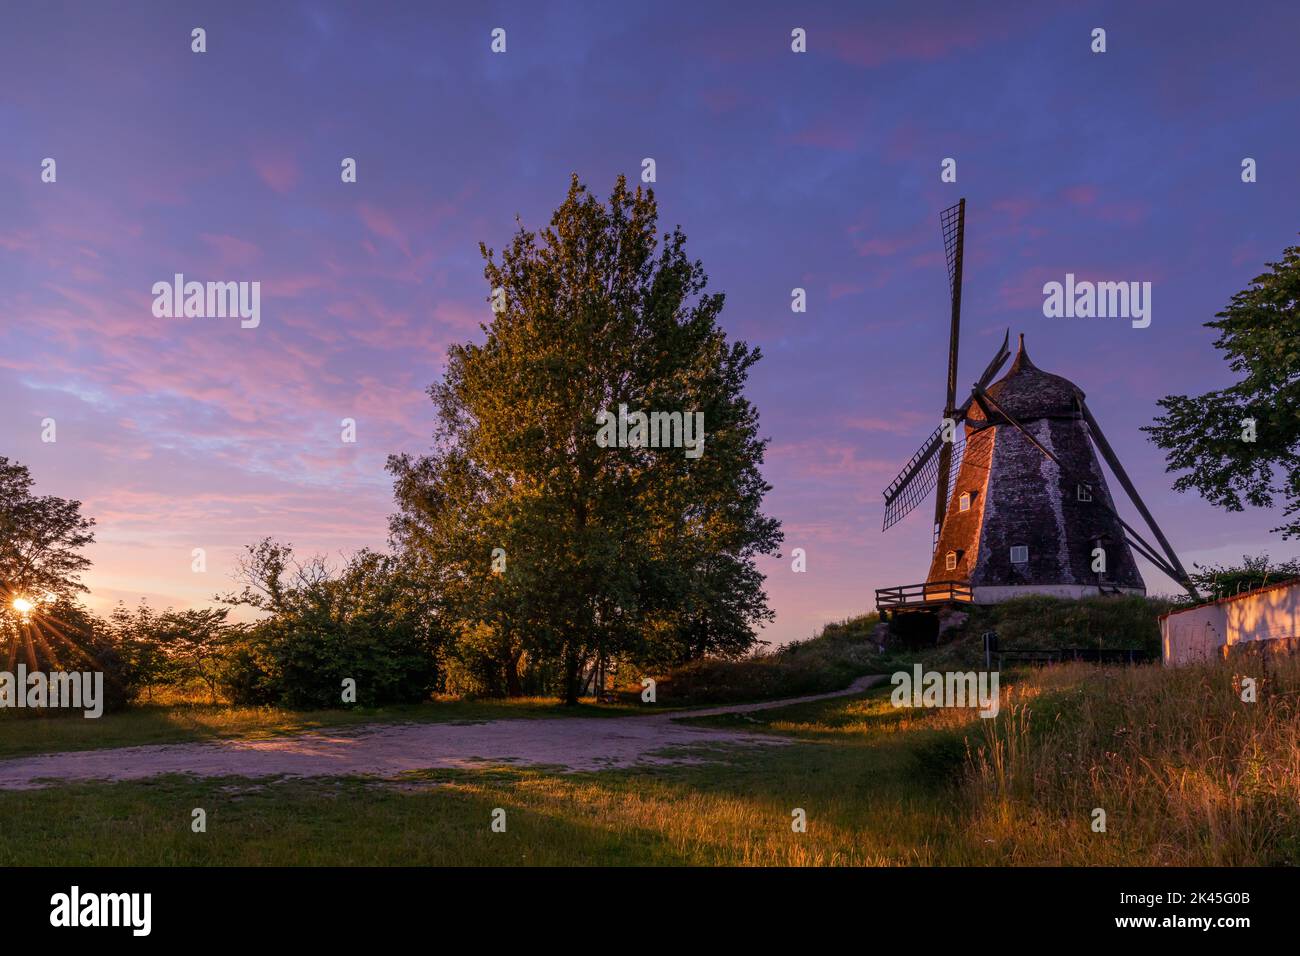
[41, 538]
[1205, 435]
[630, 553]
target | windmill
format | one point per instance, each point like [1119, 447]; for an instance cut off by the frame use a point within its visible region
[1021, 503]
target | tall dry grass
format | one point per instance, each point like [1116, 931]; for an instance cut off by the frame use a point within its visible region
[1185, 770]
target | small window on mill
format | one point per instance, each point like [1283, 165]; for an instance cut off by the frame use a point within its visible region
[963, 503]
[1085, 493]
[951, 563]
[1020, 554]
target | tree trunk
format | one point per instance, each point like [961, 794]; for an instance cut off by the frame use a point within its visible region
[572, 674]
[514, 686]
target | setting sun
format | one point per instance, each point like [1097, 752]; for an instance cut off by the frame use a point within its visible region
[22, 605]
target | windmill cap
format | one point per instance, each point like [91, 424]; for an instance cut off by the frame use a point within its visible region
[1027, 392]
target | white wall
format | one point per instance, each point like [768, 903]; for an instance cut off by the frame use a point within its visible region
[1265, 616]
[1193, 635]
[1198, 633]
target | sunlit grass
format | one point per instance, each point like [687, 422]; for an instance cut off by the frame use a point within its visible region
[1187, 772]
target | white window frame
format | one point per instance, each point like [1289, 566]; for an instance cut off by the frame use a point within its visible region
[1084, 493]
[963, 502]
[1024, 549]
[950, 561]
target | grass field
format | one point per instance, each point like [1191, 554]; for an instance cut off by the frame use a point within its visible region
[737, 812]
[1188, 775]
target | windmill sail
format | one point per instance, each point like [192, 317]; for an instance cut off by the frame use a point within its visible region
[921, 475]
[914, 482]
[953, 221]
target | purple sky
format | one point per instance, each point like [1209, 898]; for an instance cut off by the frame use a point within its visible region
[818, 170]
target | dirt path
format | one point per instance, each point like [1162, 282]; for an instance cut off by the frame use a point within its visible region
[575, 743]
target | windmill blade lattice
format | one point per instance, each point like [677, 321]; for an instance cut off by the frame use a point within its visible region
[915, 482]
[950, 220]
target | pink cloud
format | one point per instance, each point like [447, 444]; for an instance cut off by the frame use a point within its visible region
[883, 245]
[903, 142]
[723, 99]
[1024, 291]
[278, 170]
[903, 423]
[830, 132]
[230, 250]
[18, 241]
[1015, 209]
[294, 285]
[382, 224]
[1081, 195]
[827, 458]
[839, 290]
[922, 35]
[1129, 212]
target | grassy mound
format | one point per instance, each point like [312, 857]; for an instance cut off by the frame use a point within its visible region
[1128, 622]
[842, 652]
[830, 661]
[1038, 622]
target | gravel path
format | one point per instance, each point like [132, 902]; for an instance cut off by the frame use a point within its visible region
[574, 743]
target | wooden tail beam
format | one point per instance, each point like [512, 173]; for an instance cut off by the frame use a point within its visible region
[1103, 446]
[1146, 552]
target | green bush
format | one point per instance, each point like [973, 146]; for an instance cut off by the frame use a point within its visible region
[247, 674]
[370, 622]
[303, 664]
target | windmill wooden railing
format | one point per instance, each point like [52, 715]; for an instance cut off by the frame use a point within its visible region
[923, 595]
